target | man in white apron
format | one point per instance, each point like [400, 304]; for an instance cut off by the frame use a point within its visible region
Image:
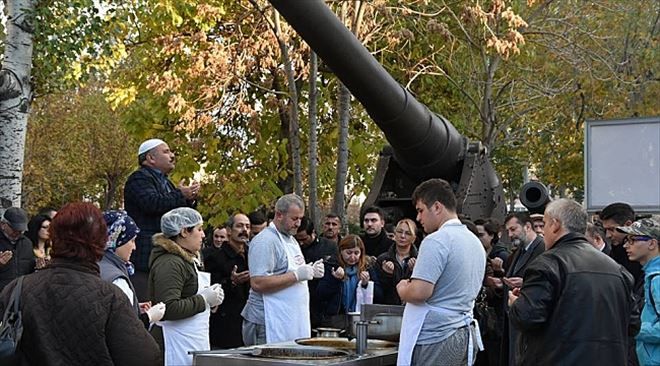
[277, 309]
[437, 326]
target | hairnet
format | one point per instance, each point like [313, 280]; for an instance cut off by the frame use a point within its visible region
[176, 220]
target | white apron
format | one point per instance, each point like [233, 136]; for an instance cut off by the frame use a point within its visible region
[190, 334]
[411, 325]
[286, 311]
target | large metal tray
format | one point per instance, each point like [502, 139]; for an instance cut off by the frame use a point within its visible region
[344, 344]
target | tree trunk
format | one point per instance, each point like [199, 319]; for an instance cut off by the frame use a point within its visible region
[313, 206]
[339, 204]
[112, 182]
[344, 97]
[15, 98]
[294, 140]
[284, 184]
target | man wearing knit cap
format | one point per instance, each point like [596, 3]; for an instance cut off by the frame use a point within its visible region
[148, 194]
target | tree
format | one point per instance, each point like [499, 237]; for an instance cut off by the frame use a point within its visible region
[519, 76]
[77, 149]
[15, 97]
[313, 205]
[58, 39]
[208, 77]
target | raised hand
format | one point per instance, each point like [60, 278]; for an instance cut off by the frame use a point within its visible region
[5, 257]
[338, 273]
[156, 312]
[387, 267]
[189, 191]
[238, 278]
[319, 268]
[304, 272]
[497, 264]
[411, 263]
[364, 277]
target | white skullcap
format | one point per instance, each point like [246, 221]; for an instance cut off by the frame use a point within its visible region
[178, 219]
[148, 145]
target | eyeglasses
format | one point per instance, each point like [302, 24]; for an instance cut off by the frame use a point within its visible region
[402, 232]
[632, 239]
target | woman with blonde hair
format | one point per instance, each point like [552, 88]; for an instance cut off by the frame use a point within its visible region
[398, 262]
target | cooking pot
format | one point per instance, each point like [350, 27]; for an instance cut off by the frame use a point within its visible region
[381, 326]
[328, 332]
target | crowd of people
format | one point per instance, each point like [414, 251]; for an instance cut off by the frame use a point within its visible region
[145, 287]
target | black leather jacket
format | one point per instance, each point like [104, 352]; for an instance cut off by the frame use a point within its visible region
[574, 307]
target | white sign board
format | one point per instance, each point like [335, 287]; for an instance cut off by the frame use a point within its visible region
[622, 163]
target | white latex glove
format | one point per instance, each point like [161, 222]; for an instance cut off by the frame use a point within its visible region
[156, 312]
[213, 295]
[304, 272]
[319, 268]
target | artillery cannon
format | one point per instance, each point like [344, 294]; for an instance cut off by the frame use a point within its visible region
[534, 196]
[423, 145]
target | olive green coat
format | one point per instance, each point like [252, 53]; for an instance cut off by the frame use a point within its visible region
[173, 279]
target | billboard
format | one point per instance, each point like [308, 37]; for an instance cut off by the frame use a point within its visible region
[622, 163]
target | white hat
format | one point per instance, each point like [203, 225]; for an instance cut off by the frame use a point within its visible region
[148, 145]
[178, 219]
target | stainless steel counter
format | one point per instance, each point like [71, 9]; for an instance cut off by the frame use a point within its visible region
[375, 357]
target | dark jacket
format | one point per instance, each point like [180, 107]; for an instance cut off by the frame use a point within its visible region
[518, 264]
[21, 263]
[499, 251]
[72, 317]
[378, 244]
[226, 322]
[618, 253]
[320, 248]
[148, 194]
[573, 307]
[388, 282]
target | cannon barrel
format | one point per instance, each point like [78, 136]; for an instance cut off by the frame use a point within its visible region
[534, 196]
[425, 145]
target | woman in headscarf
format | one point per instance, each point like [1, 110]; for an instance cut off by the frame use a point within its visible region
[70, 315]
[116, 266]
[174, 279]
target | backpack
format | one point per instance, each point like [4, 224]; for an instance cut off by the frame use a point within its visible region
[11, 328]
